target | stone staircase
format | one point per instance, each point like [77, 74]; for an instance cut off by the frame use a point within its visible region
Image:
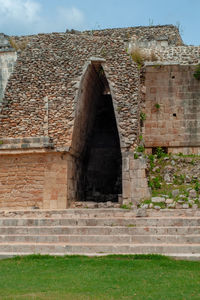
[174, 233]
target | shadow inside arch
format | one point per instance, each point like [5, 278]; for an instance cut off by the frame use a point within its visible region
[95, 140]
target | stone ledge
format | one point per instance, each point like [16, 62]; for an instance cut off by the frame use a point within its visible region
[6, 50]
[26, 143]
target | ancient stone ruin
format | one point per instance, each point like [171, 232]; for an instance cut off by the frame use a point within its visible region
[76, 106]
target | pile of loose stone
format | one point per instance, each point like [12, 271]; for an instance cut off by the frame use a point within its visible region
[179, 176]
[179, 200]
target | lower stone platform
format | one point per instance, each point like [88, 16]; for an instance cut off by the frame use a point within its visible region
[174, 233]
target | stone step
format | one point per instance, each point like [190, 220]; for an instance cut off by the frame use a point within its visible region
[69, 213]
[86, 212]
[173, 212]
[72, 248]
[99, 230]
[164, 221]
[104, 239]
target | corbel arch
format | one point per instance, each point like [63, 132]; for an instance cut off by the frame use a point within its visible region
[95, 101]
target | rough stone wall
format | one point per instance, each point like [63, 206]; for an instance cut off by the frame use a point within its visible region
[40, 96]
[33, 181]
[135, 186]
[184, 55]
[175, 123]
[7, 61]
[147, 34]
[41, 103]
[8, 57]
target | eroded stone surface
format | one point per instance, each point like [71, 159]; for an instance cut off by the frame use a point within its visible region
[52, 92]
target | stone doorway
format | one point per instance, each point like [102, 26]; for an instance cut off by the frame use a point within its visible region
[95, 141]
[101, 177]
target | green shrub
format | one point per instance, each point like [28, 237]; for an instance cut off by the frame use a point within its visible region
[140, 137]
[143, 116]
[157, 105]
[197, 186]
[179, 179]
[151, 159]
[194, 180]
[136, 156]
[155, 183]
[140, 149]
[160, 152]
[197, 72]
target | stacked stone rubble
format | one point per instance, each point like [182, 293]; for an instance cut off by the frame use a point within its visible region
[47, 74]
[41, 100]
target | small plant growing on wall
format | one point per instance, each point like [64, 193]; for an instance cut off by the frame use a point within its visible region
[157, 106]
[197, 72]
[155, 183]
[140, 149]
[142, 116]
[136, 156]
[20, 45]
[139, 56]
[160, 152]
[140, 137]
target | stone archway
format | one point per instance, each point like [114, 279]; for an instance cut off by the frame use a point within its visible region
[96, 148]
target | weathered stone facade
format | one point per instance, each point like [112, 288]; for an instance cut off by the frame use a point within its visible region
[8, 57]
[52, 103]
[31, 180]
[172, 108]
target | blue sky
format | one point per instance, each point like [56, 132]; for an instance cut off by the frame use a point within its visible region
[20, 17]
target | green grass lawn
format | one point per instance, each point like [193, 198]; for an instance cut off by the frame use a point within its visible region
[111, 277]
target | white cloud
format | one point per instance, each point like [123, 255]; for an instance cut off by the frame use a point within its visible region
[29, 16]
[71, 17]
[23, 11]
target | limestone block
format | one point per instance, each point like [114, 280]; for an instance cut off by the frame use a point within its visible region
[126, 189]
[141, 212]
[126, 176]
[158, 199]
[145, 206]
[178, 205]
[132, 163]
[185, 205]
[125, 163]
[171, 205]
[157, 207]
[175, 193]
[169, 201]
[167, 178]
[192, 194]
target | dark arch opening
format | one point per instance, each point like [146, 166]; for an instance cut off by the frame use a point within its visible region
[101, 177]
[95, 141]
